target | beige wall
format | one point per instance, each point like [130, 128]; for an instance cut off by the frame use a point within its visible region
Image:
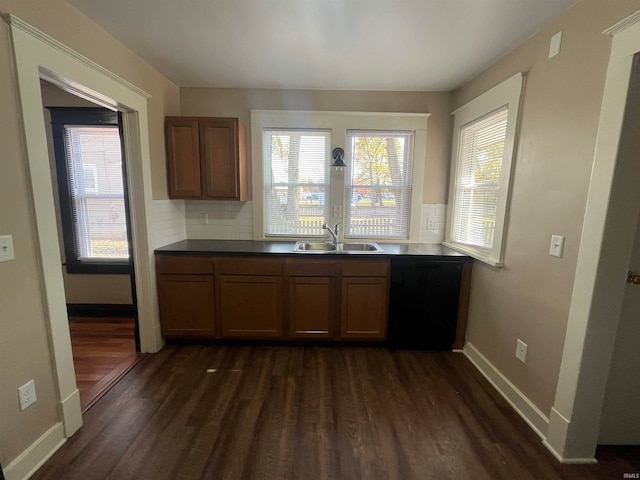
[239, 103]
[529, 298]
[24, 348]
[79, 288]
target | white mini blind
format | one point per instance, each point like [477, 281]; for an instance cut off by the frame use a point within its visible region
[94, 165]
[478, 182]
[296, 183]
[378, 192]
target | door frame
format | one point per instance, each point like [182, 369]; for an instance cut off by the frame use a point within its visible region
[606, 244]
[37, 56]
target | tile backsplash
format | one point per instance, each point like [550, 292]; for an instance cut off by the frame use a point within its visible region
[230, 220]
[432, 222]
[170, 226]
[227, 220]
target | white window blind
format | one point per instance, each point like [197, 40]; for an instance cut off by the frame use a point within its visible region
[478, 182]
[94, 164]
[378, 193]
[296, 181]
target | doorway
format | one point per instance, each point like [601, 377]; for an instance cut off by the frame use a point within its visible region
[89, 181]
[620, 422]
[36, 57]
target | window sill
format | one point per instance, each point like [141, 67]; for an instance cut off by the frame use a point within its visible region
[101, 268]
[476, 254]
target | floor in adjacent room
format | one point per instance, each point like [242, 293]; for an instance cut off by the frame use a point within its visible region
[204, 412]
[104, 350]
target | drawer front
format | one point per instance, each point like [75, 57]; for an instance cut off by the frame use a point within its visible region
[311, 268]
[250, 266]
[365, 268]
[185, 264]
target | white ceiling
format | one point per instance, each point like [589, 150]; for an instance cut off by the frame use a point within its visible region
[322, 44]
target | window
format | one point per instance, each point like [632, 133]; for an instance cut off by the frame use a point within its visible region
[89, 167]
[379, 185]
[374, 197]
[483, 146]
[295, 181]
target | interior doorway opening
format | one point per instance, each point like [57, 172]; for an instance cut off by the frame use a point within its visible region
[89, 179]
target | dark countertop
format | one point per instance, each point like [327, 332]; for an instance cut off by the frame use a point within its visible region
[254, 247]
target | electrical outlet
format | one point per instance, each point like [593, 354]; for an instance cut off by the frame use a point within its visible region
[27, 394]
[6, 248]
[521, 351]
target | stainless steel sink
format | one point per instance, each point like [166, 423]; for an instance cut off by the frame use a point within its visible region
[330, 247]
[314, 247]
[359, 247]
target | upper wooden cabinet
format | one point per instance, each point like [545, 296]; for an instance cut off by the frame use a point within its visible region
[206, 158]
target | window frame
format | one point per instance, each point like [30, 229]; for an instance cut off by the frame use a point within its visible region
[83, 116]
[406, 187]
[338, 122]
[325, 185]
[509, 94]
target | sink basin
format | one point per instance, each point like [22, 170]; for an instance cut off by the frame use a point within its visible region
[359, 247]
[330, 247]
[314, 247]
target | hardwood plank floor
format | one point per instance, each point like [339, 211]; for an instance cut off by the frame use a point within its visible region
[209, 412]
[104, 350]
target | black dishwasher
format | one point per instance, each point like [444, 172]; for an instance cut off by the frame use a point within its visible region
[423, 303]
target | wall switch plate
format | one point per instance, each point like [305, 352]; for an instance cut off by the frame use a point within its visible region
[557, 246]
[337, 211]
[6, 248]
[521, 351]
[205, 218]
[27, 394]
[554, 45]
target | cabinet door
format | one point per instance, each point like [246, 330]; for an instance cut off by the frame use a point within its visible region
[186, 305]
[183, 157]
[364, 308]
[311, 307]
[251, 306]
[220, 158]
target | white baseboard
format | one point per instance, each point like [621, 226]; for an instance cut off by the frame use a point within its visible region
[514, 397]
[71, 412]
[556, 438]
[39, 452]
[569, 461]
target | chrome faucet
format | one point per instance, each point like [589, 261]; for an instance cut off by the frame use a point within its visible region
[334, 232]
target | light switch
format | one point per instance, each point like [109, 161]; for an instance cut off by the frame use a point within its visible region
[554, 45]
[337, 211]
[557, 245]
[6, 248]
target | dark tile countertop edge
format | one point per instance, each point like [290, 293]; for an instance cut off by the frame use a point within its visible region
[255, 247]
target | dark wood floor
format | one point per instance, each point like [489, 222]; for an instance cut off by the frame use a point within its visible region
[104, 350]
[207, 412]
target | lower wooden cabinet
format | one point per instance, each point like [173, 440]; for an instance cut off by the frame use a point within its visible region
[363, 293]
[278, 298]
[312, 307]
[251, 306]
[364, 308]
[187, 305]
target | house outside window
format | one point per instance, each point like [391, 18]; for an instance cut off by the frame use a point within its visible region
[374, 197]
[479, 190]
